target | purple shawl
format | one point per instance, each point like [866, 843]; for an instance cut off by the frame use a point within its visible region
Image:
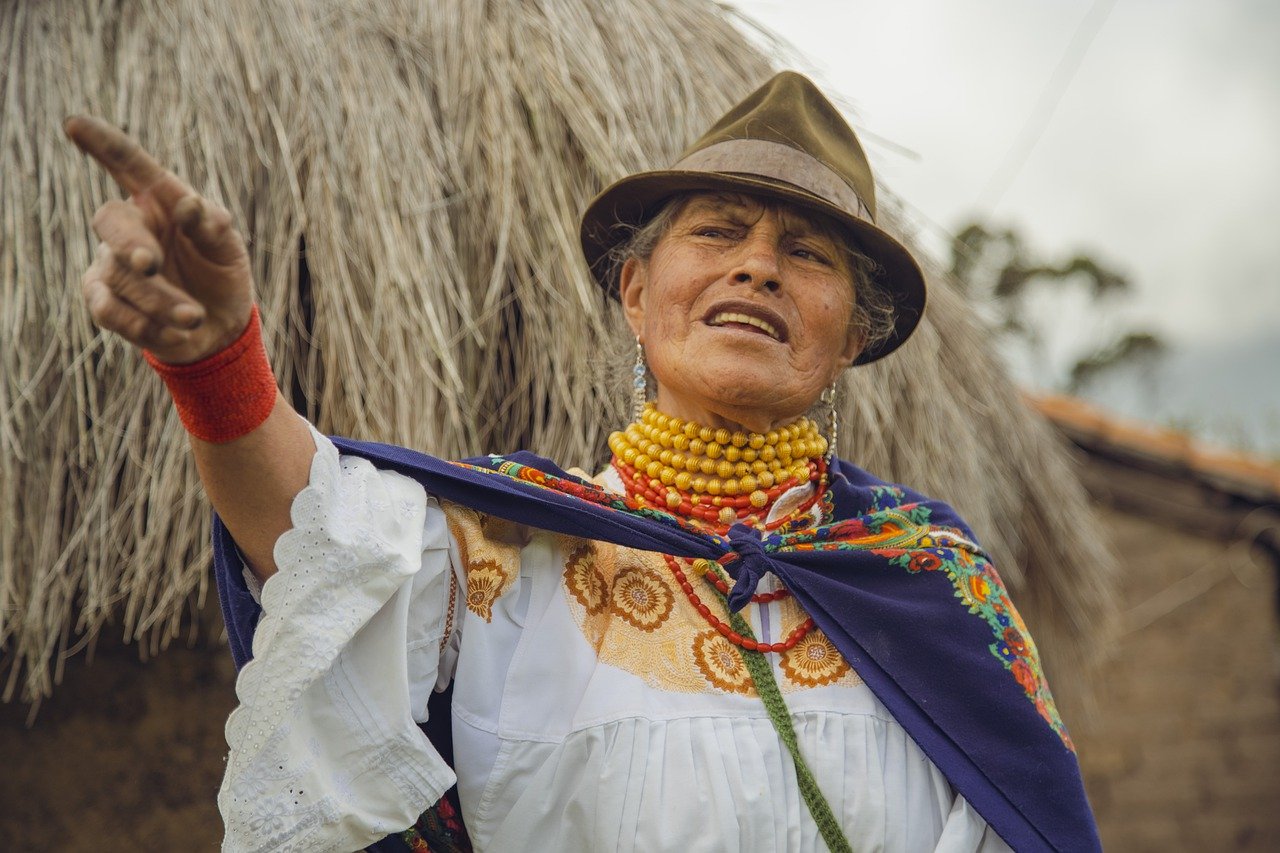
[895, 581]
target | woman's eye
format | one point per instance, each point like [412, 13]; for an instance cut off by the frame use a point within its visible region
[810, 255]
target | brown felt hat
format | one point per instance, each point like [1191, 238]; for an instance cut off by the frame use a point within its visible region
[785, 141]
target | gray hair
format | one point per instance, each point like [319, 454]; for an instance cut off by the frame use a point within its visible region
[873, 312]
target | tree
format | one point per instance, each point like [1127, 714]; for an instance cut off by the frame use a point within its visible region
[996, 267]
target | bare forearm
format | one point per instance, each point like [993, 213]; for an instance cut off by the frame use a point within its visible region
[253, 480]
[172, 277]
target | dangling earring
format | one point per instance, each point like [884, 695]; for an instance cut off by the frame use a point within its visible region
[639, 391]
[833, 418]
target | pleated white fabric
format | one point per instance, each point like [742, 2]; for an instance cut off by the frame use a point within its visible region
[554, 749]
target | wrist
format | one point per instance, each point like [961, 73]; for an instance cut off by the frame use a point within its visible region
[225, 395]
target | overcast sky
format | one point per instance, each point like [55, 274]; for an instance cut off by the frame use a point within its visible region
[1143, 131]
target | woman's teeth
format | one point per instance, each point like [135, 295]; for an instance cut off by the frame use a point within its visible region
[745, 319]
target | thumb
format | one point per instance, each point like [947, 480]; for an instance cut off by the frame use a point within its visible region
[208, 227]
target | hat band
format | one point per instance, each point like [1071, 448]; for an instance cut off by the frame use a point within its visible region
[780, 162]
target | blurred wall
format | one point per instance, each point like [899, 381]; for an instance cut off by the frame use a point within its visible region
[1185, 753]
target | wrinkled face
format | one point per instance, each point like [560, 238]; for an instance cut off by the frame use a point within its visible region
[744, 310]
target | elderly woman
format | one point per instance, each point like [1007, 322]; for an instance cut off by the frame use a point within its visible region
[727, 640]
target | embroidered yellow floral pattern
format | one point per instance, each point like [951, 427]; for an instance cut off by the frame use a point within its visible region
[490, 552]
[485, 582]
[814, 661]
[632, 613]
[641, 597]
[721, 663]
[583, 579]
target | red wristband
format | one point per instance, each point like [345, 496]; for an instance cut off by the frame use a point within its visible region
[228, 394]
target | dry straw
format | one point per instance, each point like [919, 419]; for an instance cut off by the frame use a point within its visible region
[409, 175]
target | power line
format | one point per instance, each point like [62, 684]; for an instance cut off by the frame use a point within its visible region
[1046, 105]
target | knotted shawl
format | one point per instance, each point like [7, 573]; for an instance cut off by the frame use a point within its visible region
[896, 581]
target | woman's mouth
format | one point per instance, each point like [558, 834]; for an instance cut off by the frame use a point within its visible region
[745, 321]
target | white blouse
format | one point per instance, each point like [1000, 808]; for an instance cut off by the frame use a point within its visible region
[594, 709]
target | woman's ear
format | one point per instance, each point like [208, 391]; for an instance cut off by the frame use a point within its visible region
[856, 340]
[632, 293]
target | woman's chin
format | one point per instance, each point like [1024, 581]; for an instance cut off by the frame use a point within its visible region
[754, 398]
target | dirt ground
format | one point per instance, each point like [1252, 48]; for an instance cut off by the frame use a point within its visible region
[126, 756]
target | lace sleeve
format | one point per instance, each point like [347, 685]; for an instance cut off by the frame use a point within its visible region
[325, 753]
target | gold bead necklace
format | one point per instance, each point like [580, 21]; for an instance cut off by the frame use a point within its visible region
[704, 465]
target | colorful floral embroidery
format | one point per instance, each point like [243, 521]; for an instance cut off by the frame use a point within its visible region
[921, 548]
[439, 829]
[923, 561]
[979, 588]
[641, 597]
[814, 661]
[589, 492]
[584, 581]
[721, 664]
[891, 528]
[886, 497]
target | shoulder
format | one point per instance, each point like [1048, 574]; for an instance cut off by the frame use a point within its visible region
[860, 493]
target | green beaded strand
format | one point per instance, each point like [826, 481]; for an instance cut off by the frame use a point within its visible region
[767, 686]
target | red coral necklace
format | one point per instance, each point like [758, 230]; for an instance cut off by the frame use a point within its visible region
[727, 632]
[650, 481]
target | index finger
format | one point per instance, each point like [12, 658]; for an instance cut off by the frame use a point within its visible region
[133, 168]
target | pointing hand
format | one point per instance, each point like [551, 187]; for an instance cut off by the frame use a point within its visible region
[171, 273]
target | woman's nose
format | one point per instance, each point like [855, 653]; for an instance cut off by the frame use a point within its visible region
[758, 264]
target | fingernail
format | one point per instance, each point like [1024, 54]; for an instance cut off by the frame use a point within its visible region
[187, 315]
[143, 261]
[187, 211]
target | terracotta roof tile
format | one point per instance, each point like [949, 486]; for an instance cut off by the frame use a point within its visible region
[1256, 478]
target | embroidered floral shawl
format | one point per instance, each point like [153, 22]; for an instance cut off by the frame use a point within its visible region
[896, 582]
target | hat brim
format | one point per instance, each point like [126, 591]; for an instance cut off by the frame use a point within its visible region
[614, 214]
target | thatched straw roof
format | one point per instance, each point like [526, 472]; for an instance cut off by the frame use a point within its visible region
[409, 175]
